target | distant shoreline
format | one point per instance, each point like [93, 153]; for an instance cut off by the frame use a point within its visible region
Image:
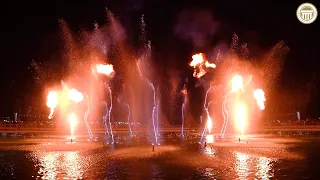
[167, 129]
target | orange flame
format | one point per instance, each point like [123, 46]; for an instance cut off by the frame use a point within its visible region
[184, 91]
[240, 113]
[209, 138]
[75, 95]
[258, 94]
[52, 102]
[106, 69]
[237, 83]
[199, 62]
[241, 116]
[73, 122]
[209, 124]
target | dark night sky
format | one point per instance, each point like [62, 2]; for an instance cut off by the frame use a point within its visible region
[30, 30]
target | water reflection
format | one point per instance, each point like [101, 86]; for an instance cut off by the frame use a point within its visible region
[209, 172]
[265, 170]
[246, 164]
[210, 151]
[241, 165]
[53, 165]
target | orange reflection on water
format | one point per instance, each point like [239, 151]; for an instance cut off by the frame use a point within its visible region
[246, 165]
[241, 165]
[59, 165]
[210, 151]
[48, 165]
[265, 170]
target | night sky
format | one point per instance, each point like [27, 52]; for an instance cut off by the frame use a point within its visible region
[30, 31]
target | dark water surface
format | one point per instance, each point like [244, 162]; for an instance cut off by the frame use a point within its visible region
[289, 156]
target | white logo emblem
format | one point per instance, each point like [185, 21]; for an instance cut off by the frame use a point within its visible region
[307, 13]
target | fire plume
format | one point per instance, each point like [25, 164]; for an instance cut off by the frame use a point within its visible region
[258, 94]
[106, 69]
[72, 121]
[198, 62]
[184, 91]
[209, 124]
[75, 95]
[52, 102]
[237, 83]
[241, 116]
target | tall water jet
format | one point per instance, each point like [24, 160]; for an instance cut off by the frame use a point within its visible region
[129, 123]
[110, 110]
[86, 115]
[141, 62]
[107, 69]
[104, 118]
[225, 116]
[184, 93]
[158, 110]
[154, 100]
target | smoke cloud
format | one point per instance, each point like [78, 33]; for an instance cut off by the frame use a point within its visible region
[196, 26]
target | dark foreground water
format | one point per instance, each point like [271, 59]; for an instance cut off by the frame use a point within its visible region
[268, 157]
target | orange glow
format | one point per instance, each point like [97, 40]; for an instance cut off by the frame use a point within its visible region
[209, 138]
[106, 69]
[197, 59]
[258, 94]
[209, 124]
[73, 122]
[184, 91]
[52, 102]
[75, 95]
[237, 83]
[210, 65]
[240, 117]
[199, 62]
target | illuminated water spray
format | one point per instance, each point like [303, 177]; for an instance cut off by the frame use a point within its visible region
[206, 108]
[110, 110]
[182, 114]
[208, 126]
[154, 101]
[184, 93]
[146, 56]
[157, 116]
[106, 131]
[225, 116]
[153, 110]
[86, 115]
[107, 69]
[129, 119]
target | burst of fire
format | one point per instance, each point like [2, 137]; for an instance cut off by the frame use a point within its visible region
[52, 102]
[106, 69]
[237, 83]
[209, 138]
[75, 95]
[198, 62]
[73, 122]
[184, 91]
[258, 94]
[241, 116]
[240, 109]
[209, 124]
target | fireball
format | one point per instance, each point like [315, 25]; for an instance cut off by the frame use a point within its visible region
[52, 102]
